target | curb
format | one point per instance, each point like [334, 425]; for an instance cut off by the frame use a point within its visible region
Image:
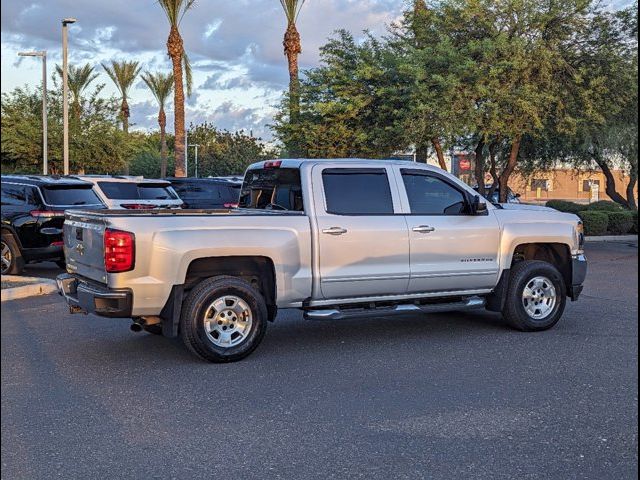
[42, 286]
[613, 238]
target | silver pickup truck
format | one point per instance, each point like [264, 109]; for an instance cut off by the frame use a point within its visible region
[334, 238]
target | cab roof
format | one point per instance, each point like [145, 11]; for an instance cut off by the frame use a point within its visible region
[368, 162]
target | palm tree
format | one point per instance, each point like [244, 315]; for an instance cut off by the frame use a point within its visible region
[78, 79]
[175, 11]
[123, 75]
[292, 49]
[160, 85]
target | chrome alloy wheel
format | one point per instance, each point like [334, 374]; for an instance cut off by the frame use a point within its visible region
[539, 298]
[227, 321]
[7, 257]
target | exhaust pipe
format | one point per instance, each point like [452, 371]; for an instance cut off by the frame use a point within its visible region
[136, 327]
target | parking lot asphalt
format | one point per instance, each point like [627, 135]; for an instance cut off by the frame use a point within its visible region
[456, 395]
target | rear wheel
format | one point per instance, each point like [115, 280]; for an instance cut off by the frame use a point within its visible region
[12, 261]
[536, 296]
[223, 319]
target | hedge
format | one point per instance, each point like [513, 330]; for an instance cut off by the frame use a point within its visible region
[595, 223]
[565, 206]
[620, 222]
[604, 206]
[634, 227]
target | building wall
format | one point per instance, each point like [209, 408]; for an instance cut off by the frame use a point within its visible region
[567, 184]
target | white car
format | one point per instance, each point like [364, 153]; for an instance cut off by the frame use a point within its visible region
[133, 193]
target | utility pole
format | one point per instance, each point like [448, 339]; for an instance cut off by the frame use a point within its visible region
[65, 96]
[42, 54]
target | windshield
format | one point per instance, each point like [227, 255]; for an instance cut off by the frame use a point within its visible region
[272, 189]
[70, 196]
[136, 191]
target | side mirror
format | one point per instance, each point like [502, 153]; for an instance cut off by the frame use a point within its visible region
[478, 206]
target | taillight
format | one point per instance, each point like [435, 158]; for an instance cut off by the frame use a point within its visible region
[119, 251]
[137, 206]
[57, 244]
[272, 164]
[230, 205]
[46, 213]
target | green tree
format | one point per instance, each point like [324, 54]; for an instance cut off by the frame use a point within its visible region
[223, 153]
[175, 11]
[161, 86]
[78, 79]
[96, 144]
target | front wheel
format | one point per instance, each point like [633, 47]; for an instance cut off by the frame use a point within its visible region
[223, 319]
[536, 296]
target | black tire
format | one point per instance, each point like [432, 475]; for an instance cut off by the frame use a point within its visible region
[514, 310]
[192, 321]
[14, 263]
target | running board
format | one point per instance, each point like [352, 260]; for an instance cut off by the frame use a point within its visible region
[338, 314]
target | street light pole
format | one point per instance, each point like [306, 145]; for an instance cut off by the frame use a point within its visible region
[65, 96]
[42, 54]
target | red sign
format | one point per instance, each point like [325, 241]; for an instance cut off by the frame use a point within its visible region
[464, 164]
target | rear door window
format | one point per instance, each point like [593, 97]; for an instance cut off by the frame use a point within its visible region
[134, 191]
[13, 194]
[357, 191]
[70, 195]
[272, 189]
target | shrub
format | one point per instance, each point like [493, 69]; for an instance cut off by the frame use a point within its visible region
[634, 227]
[620, 222]
[604, 206]
[595, 223]
[564, 206]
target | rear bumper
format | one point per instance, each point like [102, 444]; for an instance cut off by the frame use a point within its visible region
[83, 295]
[578, 275]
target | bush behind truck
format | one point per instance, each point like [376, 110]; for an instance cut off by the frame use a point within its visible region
[600, 217]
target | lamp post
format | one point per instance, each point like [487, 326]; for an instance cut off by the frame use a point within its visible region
[42, 54]
[65, 96]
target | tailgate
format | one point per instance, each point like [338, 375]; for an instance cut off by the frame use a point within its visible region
[84, 245]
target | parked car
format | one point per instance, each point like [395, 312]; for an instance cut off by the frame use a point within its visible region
[334, 238]
[208, 193]
[32, 217]
[133, 193]
[495, 196]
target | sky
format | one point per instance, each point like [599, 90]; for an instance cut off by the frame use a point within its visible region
[235, 47]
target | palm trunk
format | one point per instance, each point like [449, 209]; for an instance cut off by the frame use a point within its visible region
[175, 50]
[162, 122]
[124, 112]
[292, 49]
[479, 165]
[439, 153]
[503, 180]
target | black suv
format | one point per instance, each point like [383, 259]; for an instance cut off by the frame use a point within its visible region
[32, 217]
[207, 193]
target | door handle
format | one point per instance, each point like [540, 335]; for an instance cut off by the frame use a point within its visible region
[334, 231]
[423, 229]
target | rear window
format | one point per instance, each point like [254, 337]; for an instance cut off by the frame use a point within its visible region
[357, 191]
[272, 189]
[135, 191]
[70, 196]
[207, 191]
